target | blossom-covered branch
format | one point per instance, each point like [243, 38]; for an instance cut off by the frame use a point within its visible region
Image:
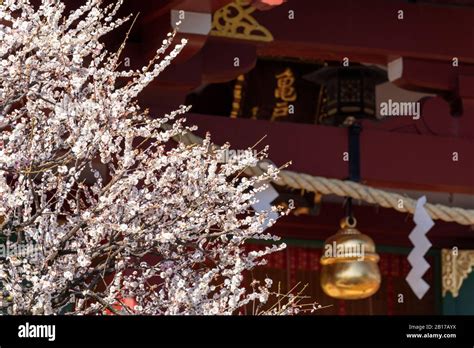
[89, 179]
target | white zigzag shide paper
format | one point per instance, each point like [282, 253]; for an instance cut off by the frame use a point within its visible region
[421, 246]
[265, 198]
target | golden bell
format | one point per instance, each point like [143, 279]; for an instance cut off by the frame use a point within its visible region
[349, 264]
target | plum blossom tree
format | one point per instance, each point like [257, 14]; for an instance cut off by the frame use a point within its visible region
[112, 209]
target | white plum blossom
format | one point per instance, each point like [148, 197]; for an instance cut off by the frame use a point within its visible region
[67, 275]
[115, 208]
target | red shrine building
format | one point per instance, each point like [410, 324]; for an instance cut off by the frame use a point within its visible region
[371, 101]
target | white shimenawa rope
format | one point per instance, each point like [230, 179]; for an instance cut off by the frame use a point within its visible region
[355, 190]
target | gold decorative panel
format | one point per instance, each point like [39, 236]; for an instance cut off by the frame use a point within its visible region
[235, 21]
[456, 266]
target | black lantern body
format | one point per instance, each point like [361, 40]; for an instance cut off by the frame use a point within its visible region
[349, 93]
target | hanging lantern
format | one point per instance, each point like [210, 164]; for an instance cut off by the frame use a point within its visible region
[349, 264]
[349, 93]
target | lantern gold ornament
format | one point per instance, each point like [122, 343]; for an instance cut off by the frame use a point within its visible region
[349, 264]
[349, 92]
